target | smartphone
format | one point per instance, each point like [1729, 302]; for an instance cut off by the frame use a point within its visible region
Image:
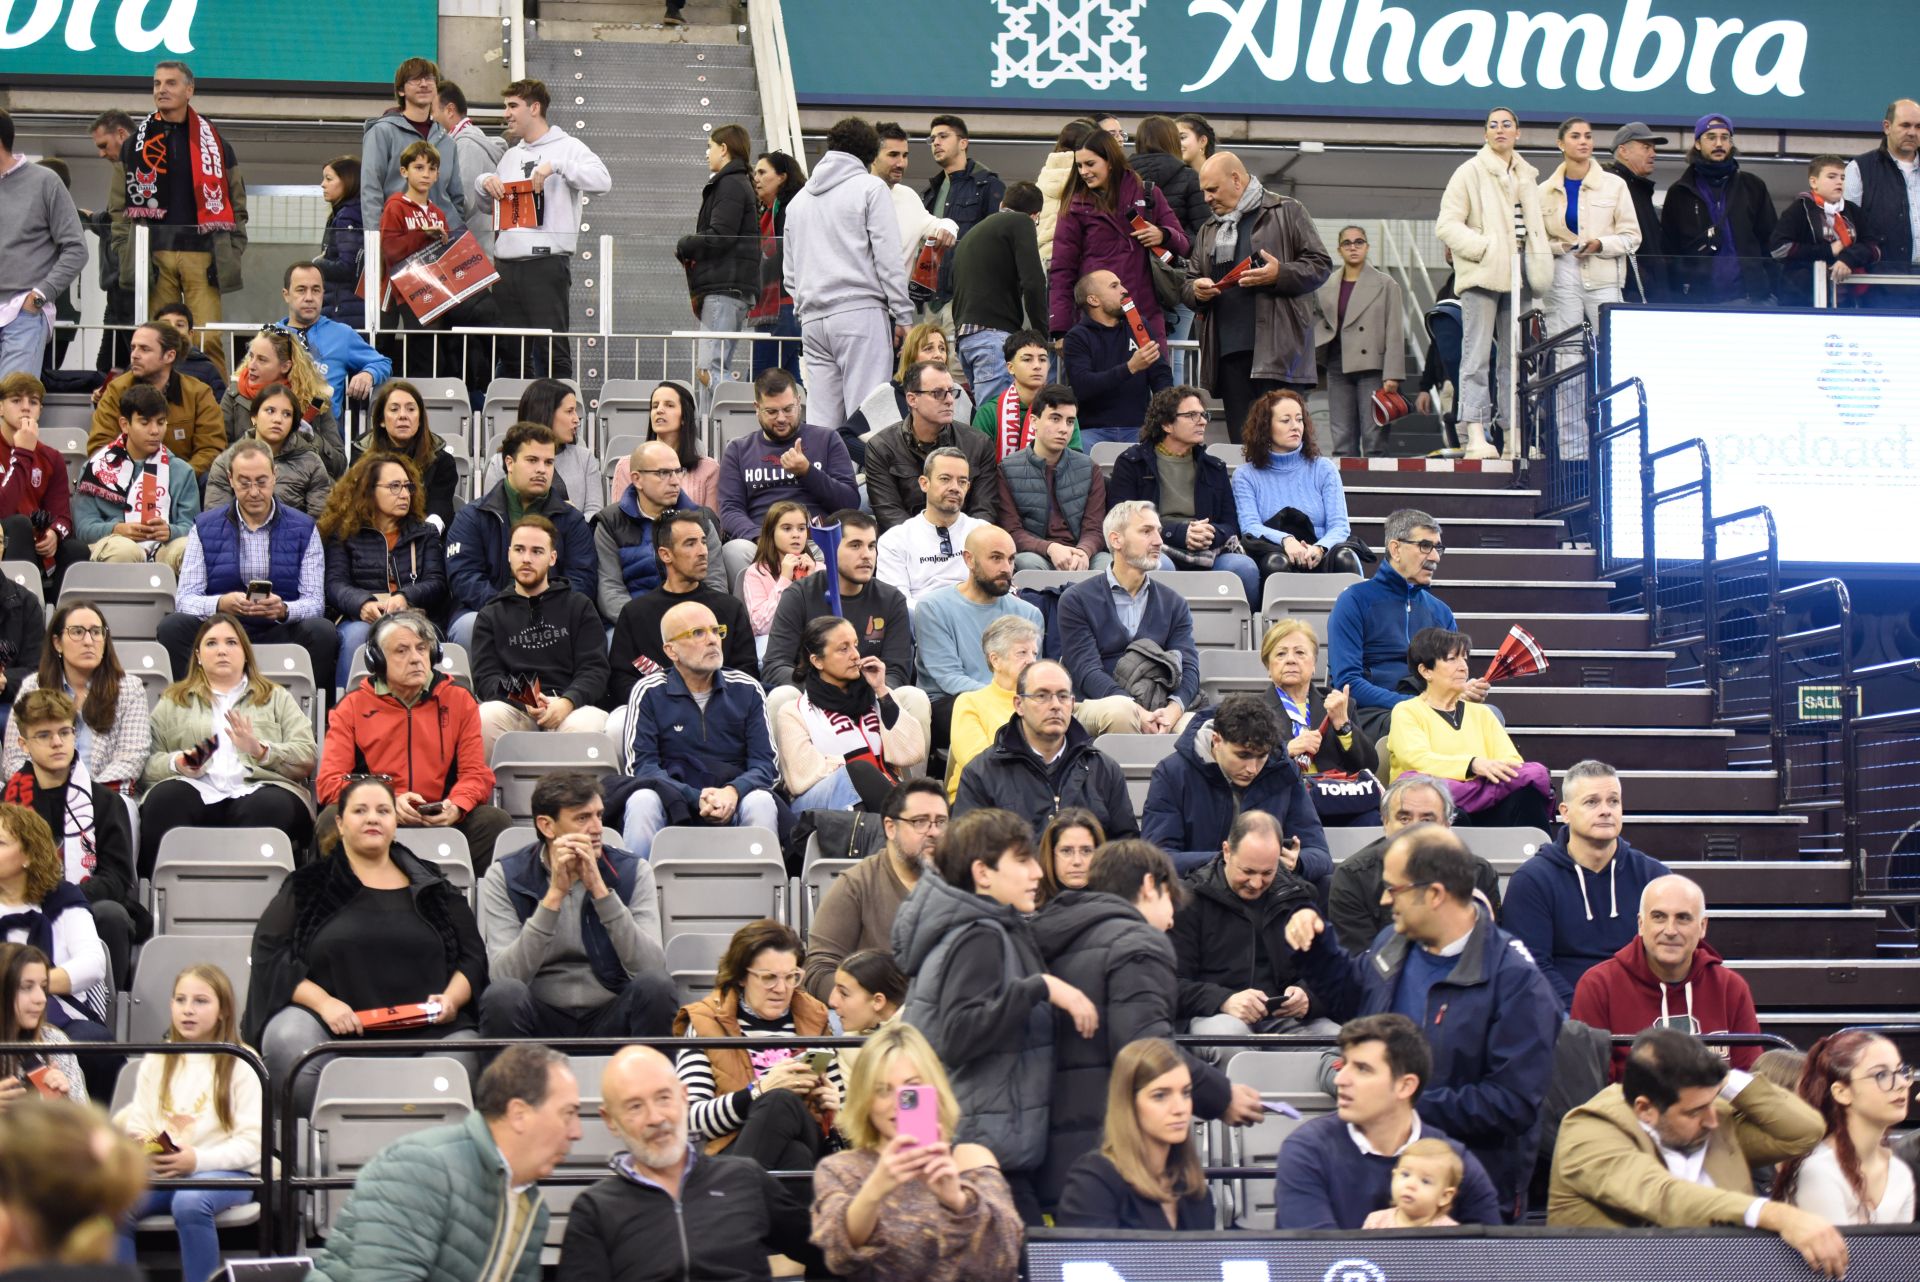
[259, 589]
[1279, 1109]
[917, 1113]
[429, 809]
[196, 756]
[819, 1061]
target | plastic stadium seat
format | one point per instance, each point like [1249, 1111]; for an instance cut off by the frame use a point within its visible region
[623, 409]
[292, 667]
[613, 453]
[147, 1012]
[27, 575]
[364, 1103]
[591, 1153]
[1505, 848]
[519, 837]
[1229, 454]
[1137, 755]
[454, 662]
[134, 598]
[449, 411]
[1222, 620]
[1292, 1076]
[1344, 843]
[149, 662]
[1225, 672]
[217, 881]
[691, 842]
[521, 758]
[814, 881]
[125, 1087]
[463, 477]
[1106, 453]
[498, 407]
[1301, 596]
[65, 420]
[714, 896]
[692, 959]
[447, 850]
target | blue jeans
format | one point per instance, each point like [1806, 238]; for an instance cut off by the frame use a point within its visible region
[717, 312]
[193, 1211]
[1243, 568]
[460, 631]
[1092, 436]
[646, 817]
[353, 638]
[835, 792]
[23, 343]
[768, 354]
[1179, 329]
[983, 356]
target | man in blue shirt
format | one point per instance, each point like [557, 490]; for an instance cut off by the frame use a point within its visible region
[1488, 1013]
[1337, 1169]
[351, 366]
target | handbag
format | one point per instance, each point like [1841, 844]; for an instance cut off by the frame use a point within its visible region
[1169, 274]
[1337, 795]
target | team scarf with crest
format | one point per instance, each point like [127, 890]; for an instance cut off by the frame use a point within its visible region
[206, 161]
[77, 835]
[1015, 424]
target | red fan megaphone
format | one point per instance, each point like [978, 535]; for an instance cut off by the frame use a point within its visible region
[1519, 655]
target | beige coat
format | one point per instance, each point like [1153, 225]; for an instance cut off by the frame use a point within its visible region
[1476, 223]
[1374, 335]
[1053, 188]
[1607, 1172]
[803, 765]
[1606, 215]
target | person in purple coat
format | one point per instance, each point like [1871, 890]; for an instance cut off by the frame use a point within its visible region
[1095, 232]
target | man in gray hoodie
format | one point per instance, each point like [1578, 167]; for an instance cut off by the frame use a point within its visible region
[416, 95]
[846, 270]
[479, 156]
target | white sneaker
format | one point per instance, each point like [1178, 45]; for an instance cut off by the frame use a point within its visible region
[1477, 446]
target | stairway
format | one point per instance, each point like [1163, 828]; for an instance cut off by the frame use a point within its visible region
[644, 98]
[1783, 919]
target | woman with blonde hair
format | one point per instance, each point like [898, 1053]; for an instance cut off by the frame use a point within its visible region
[1147, 1173]
[67, 1182]
[905, 1202]
[275, 356]
[1321, 731]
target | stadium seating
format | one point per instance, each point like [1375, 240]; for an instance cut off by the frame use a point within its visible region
[234, 1217]
[145, 1012]
[521, 758]
[1137, 755]
[1291, 1077]
[132, 598]
[447, 850]
[291, 666]
[449, 412]
[716, 895]
[27, 575]
[814, 880]
[217, 881]
[622, 411]
[692, 957]
[363, 1104]
[149, 663]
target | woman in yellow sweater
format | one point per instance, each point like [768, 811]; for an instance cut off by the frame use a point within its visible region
[1440, 734]
[1011, 643]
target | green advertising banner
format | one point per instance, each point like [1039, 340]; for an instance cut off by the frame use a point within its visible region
[1765, 63]
[339, 44]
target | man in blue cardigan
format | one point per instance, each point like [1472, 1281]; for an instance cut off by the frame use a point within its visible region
[1101, 618]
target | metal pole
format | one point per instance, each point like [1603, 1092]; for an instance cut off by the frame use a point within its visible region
[142, 269]
[1510, 446]
[516, 40]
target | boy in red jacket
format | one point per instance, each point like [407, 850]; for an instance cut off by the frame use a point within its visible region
[1668, 976]
[36, 509]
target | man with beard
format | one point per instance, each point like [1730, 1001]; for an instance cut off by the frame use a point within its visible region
[949, 624]
[665, 1212]
[1717, 223]
[857, 911]
[1103, 620]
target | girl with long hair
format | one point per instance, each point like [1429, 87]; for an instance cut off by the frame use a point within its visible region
[399, 418]
[24, 998]
[1096, 233]
[302, 479]
[1861, 1089]
[197, 1116]
[79, 660]
[722, 255]
[781, 558]
[382, 554]
[1147, 1172]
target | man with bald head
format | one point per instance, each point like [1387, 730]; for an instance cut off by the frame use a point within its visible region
[1113, 376]
[667, 1211]
[949, 623]
[1668, 976]
[626, 532]
[697, 746]
[1255, 335]
[1885, 183]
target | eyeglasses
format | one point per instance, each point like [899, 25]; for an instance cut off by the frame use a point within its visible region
[1427, 546]
[59, 734]
[397, 488]
[1394, 892]
[1192, 416]
[1885, 1078]
[777, 978]
[252, 483]
[675, 472]
[922, 823]
[75, 632]
[1048, 696]
[1351, 242]
[939, 393]
[718, 632]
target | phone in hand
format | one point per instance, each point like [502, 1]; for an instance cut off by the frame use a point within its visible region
[197, 755]
[428, 809]
[259, 589]
[916, 1112]
[819, 1062]
[38, 1078]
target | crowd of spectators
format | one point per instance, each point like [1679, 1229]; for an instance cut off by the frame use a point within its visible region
[1017, 942]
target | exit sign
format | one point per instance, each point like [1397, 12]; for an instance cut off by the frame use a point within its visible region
[1822, 703]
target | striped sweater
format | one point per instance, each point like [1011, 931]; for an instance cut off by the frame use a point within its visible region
[710, 1116]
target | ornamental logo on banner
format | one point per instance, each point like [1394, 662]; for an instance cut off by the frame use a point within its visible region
[1090, 42]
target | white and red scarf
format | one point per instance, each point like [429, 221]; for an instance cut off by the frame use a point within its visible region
[835, 734]
[206, 160]
[1015, 431]
[114, 476]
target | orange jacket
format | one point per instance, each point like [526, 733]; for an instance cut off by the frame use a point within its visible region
[433, 748]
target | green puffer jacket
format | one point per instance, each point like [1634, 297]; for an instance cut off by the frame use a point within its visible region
[432, 1207]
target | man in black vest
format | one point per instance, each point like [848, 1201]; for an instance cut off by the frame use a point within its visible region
[1885, 183]
[572, 927]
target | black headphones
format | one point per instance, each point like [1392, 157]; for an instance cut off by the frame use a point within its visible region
[377, 658]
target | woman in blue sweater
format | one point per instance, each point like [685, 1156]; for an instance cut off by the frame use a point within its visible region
[1291, 507]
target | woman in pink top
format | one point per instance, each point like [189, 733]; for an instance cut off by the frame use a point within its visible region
[671, 419]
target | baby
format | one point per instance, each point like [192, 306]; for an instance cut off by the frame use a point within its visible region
[1425, 1182]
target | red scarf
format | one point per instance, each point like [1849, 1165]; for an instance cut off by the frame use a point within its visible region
[249, 388]
[1016, 425]
[1842, 229]
[206, 163]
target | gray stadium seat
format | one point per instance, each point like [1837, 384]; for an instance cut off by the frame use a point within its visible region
[1344, 843]
[1505, 848]
[217, 881]
[596, 1147]
[622, 410]
[814, 880]
[147, 1012]
[149, 663]
[616, 451]
[125, 1086]
[291, 666]
[447, 850]
[1227, 453]
[731, 416]
[497, 408]
[691, 842]
[449, 411]
[133, 598]
[692, 958]
[518, 837]
[27, 575]
[1217, 599]
[1106, 453]
[714, 896]
[1137, 755]
[521, 758]
[1225, 672]
[1291, 1076]
[364, 1103]
[65, 420]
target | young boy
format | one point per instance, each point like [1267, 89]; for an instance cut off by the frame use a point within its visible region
[137, 501]
[1425, 1181]
[1821, 227]
[1004, 418]
[36, 507]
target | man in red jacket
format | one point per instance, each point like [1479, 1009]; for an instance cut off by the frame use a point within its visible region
[420, 729]
[33, 479]
[1668, 976]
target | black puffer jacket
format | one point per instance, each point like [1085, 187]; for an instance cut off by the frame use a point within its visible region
[724, 250]
[1178, 183]
[23, 631]
[1103, 946]
[360, 566]
[1010, 775]
[1223, 944]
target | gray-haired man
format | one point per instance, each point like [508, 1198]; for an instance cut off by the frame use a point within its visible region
[1354, 904]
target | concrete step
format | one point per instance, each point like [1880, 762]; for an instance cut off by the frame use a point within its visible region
[1515, 597]
[1624, 748]
[1737, 883]
[1485, 532]
[1717, 837]
[1804, 1027]
[1370, 499]
[1798, 932]
[1579, 669]
[1540, 705]
[1423, 473]
[1562, 631]
[1691, 793]
[1481, 564]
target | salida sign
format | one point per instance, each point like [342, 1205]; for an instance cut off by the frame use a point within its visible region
[1763, 62]
[343, 43]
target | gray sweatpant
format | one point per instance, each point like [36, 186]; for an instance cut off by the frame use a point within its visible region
[847, 355]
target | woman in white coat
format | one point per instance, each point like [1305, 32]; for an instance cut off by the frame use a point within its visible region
[1489, 215]
[1592, 225]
